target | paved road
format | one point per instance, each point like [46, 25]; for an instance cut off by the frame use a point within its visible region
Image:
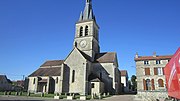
[121, 98]
[114, 98]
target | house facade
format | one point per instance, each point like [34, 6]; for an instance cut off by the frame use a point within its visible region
[150, 75]
[83, 67]
[124, 80]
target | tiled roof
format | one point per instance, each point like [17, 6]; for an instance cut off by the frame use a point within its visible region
[53, 63]
[123, 72]
[53, 71]
[141, 58]
[106, 57]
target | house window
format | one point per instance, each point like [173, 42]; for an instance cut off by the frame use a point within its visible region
[86, 30]
[92, 85]
[158, 71]
[146, 62]
[147, 71]
[160, 83]
[34, 81]
[73, 76]
[57, 80]
[158, 61]
[81, 31]
[148, 84]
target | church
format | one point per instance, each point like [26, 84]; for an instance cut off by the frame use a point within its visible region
[85, 70]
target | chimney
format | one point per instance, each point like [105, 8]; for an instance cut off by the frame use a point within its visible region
[136, 56]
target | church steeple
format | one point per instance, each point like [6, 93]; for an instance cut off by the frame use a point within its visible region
[88, 12]
[87, 32]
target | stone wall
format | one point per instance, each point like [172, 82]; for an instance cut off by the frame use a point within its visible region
[152, 95]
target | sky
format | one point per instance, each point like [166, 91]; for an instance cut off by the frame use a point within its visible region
[33, 31]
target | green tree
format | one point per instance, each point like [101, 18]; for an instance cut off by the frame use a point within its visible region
[134, 83]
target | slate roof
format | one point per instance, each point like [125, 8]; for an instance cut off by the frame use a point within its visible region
[123, 72]
[43, 81]
[85, 55]
[53, 71]
[52, 63]
[142, 58]
[3, 77]
[96, 80]
[108, 57]
[88, 12]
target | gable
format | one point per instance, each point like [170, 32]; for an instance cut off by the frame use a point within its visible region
[75, 57]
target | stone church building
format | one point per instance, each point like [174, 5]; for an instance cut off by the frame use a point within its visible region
[85, 70]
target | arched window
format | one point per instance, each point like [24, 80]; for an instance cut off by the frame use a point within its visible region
[160, 83]
[34, 81]
[148, 84]
[75, 44]
[86, 30]
[73, 76]
[81, 31]
[92, 85]
[57, 80]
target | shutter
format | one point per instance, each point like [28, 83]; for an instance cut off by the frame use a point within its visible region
[163, 70]
[153, 87]
[147, 71]
[144, 84]
[155, 71]
[161, 84]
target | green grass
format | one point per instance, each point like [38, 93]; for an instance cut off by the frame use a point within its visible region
[88, 97]
[49, 95]
[1, 93]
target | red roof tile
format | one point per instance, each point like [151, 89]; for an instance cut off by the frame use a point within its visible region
[141, 58]
[123, 72]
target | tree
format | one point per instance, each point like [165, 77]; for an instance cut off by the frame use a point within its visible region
[134, 83]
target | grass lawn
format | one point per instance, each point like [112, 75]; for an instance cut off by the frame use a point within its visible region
[50, 95]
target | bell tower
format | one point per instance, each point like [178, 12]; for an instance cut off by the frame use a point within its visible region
[87, 32]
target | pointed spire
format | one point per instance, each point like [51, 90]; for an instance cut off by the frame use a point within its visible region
[88, 12]
[81, 16]
[91, 14]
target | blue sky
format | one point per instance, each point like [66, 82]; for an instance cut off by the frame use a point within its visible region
[33, 31]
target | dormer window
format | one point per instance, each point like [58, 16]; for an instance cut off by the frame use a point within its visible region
[81, 32]
[86, 30]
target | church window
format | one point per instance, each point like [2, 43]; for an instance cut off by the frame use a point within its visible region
[73, 76]
[75, 44]
[81, 31]
[86, 30]
[34, 81]
[57, 80]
